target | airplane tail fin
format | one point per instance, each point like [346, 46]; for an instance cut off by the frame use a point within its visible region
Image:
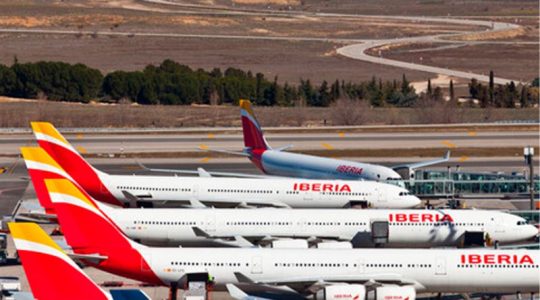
[90, 179]
[253, 134]
[41, 166]
[89, 231]
[52, 275]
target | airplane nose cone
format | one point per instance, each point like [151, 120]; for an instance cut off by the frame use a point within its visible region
[415, 201]
[531, 231]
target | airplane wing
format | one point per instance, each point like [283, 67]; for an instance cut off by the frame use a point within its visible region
[203, 173]
[312, 284]
[421, 164]
[251, 241]
[261, 292]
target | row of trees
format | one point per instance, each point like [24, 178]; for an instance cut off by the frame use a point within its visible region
[507, 95]
[171, 83]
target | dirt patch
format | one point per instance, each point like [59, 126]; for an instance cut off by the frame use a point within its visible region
[20, 114]
[492, 35]
[267, 2]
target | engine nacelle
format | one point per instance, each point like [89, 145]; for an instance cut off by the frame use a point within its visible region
[290, 244]
[342, 292]
[395, 292]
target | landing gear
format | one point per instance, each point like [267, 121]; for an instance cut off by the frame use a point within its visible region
[173, 291]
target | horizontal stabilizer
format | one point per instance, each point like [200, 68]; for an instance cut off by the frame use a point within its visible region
[93, 258]
[237, 153]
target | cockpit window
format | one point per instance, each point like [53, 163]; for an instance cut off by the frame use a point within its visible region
[405, 194]
[522, 222]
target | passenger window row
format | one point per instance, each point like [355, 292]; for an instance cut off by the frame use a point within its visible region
[207, 264]
[418, 265]
[139, 188]
[497, 266]
[324, 223]
[316, 265]
[240, 191]
[163, 223]
[259, 223]
[346, 193]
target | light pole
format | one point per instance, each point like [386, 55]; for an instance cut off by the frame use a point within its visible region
[528, 153]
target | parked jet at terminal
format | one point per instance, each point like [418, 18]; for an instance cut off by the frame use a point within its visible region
[234, 227]
[200, 191]
[282, 163]
[52, 274]
[89, 232]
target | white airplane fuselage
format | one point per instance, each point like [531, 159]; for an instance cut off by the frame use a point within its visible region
[407, 228]
[434, 270]
[298, 193]
[281, 163]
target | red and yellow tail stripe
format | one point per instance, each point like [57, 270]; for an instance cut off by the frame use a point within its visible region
[41, 166]
[88, 230]
[45, 131]
[52, 275]
[37, 159]
[79, 170]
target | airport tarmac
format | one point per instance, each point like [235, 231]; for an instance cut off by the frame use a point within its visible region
[14, 183]
[174, 142]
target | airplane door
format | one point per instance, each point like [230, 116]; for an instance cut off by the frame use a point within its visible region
[308, 196]
[210, 223]
[256, 265]
[380, 195]
[361, 266]
[440, 266]
[195, 192]
[498, 223]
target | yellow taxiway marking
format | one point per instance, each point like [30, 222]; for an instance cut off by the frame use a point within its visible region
[129, 167]
[81, 149]
[471, 133]
[463, 158]
[205, 159]
[203, 147]
[448, 144]
[341, 134]
[79, 136]
[211, 136]
[327, 146]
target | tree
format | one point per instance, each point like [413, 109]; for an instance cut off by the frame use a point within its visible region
[8, 81]
[451, 91]
[491, 86]
[524, 97]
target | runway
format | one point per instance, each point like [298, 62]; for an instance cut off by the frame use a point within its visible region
[177, 142]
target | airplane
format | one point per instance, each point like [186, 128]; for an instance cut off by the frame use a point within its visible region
[52, 274]
[278, 162]
[307, 271]
[270, 226]
[58, 157]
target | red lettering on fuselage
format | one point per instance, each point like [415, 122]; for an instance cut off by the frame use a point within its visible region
[423, 217]
[516, 259]
[318, 187]
[349, 170]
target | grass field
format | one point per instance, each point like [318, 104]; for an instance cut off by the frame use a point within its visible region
[20, 114]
